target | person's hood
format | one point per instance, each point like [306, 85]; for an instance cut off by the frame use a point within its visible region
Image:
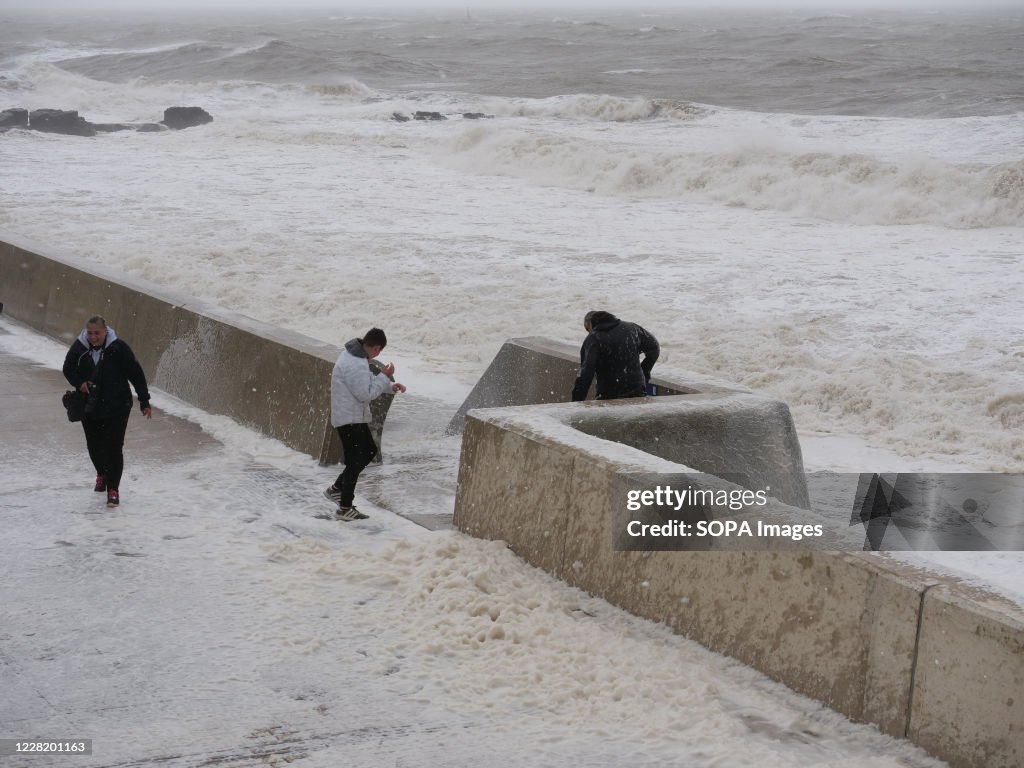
[603, 321]
[355, 348]
[111, 337]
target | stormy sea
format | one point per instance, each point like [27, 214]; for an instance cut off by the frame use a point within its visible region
[823, 207]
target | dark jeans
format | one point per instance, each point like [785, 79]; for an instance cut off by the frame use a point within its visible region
[105, 440]
[359, 447]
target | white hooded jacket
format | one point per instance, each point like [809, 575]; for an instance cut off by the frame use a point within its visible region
[84, 338]
[354, 385]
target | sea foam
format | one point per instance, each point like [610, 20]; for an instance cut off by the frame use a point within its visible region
[851, 187]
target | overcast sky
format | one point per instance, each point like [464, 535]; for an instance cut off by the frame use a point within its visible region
[484, 5]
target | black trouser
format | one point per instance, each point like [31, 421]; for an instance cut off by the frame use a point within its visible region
[105, 439]
[359, 447]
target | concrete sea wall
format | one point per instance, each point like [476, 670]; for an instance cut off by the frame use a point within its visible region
[265, 377]
[921, 656]
[535, 369]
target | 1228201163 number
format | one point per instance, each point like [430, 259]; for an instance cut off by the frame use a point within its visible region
[45, 746]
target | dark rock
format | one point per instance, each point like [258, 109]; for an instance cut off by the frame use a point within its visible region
[64, 121]
[67, 121]
[177, 118]
[14, 118]
[475, 115]
[400, 117]
[429, 116]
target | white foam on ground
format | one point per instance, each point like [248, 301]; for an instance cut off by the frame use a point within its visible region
[865, 271]
[213, 617]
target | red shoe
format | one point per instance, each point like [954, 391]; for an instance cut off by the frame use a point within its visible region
[101, 484]
[112, 498]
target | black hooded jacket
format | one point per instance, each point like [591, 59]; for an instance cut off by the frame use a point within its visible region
[611, 352]
[117, 367]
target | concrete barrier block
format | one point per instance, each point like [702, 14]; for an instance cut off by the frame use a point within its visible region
[531, 499]
[591, 562]
[25, 287]
[151, 325]
[890, 623]
[695, 421]
[524, 372]
[534, 370]
[68, 308]
[968, 698]
[747, 439]
[273, 388]
[803, 619]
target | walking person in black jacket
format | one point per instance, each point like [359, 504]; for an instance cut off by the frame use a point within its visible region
[100, 365]
[611, 352]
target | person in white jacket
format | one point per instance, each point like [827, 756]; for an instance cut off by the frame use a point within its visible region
[353, 385]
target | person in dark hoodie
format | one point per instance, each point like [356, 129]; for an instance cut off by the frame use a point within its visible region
[611, 353]
[100, 365]
[353, 385]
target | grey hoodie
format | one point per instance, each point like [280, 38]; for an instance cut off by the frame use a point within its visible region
[354, 385]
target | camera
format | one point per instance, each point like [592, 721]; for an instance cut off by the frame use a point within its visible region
[93, 401]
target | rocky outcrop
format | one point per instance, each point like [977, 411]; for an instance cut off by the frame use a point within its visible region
[66, 121]
[70, 123]
[13, 118]
[422, 115]
[177, 118]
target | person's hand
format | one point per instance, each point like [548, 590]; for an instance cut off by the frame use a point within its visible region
[84, 389]
[396, 387]
[388, 370]
[147, 412]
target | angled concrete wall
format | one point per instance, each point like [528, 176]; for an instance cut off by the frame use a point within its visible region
[723, 430]
[534, 370]
[875, 640]
[746, 438]
[268, 378]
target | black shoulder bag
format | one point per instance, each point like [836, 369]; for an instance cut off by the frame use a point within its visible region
[74, 401]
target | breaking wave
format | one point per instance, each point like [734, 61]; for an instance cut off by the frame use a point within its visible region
[617, 109]
[854, 188]
[273, 61]
[352, 89]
